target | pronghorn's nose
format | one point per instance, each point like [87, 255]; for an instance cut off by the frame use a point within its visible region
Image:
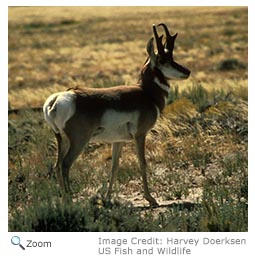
[185, 71]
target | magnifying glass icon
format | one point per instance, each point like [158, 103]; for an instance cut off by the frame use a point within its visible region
[15, 240]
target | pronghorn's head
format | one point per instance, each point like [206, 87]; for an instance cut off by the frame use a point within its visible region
[163, 60]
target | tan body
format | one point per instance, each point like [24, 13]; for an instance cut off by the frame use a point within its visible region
[113, 115]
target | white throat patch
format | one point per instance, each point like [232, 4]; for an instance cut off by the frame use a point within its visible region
[162, 86]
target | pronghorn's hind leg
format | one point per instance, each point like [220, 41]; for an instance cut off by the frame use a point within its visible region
[116, 150]
[77, 142]
[62, 150]
[78, 136]
[140, 147]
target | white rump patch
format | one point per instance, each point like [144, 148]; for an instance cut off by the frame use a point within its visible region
[58, 109]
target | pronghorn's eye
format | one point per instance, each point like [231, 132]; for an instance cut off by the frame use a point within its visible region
[162, 60]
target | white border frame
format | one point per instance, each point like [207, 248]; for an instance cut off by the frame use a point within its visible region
[86, 244]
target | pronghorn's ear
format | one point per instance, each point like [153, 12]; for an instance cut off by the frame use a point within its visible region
[150, 50]
[150, 47]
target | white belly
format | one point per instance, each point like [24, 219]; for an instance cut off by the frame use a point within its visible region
[116, 126]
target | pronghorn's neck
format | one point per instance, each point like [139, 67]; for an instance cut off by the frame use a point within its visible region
[155, 85]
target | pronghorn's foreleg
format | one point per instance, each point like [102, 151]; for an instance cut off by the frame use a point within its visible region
[116, 150]
[140, 147]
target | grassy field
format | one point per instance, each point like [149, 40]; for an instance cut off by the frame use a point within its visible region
[197, 151]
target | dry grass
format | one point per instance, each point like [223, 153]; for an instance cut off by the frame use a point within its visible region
[52, 48]
[197, 151]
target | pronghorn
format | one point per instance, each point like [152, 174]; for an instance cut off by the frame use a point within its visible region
[114, 115]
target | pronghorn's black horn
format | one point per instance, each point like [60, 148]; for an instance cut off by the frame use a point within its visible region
[158, 41]
[166, 30]
[169, 39]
